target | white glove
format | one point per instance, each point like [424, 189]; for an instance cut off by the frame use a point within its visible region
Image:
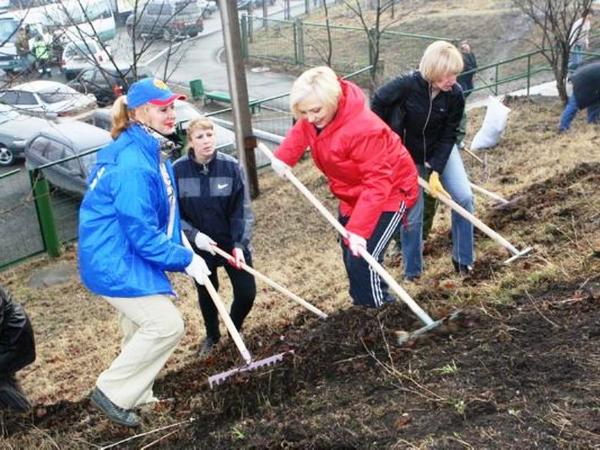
[279, 167]
[355, 243]
[204, 242]
[238, 258]
[197, 269]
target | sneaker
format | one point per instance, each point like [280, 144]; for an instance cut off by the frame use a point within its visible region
[125, 417]
[207, 347]
[461, 269]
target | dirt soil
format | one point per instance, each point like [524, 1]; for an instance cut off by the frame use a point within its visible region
[518, 369]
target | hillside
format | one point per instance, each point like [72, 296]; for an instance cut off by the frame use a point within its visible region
[520, 370]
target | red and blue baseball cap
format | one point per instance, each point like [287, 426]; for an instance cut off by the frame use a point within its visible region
[150, 90]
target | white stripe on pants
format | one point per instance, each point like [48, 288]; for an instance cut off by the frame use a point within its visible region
[152, 328]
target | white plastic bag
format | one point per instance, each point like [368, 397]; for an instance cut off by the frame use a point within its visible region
[493, 125]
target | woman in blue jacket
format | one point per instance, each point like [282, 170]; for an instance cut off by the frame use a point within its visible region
[129, 235]
[215, 210]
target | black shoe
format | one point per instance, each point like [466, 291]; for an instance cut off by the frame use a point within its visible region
[12, 397]
[115, 413]
[207, 347]
[461, 269]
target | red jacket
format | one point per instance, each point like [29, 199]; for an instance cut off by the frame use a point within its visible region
[366, 165]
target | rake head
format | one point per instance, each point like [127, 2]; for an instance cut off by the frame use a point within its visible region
[403, 337]
[518, 255]
[219, 378]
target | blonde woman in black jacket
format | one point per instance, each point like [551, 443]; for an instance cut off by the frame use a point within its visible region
[425, 108]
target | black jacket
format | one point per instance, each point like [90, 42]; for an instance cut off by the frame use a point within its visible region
[17, 346]
[466, 79]
[427, 127]
[586, 85]
[212, 200]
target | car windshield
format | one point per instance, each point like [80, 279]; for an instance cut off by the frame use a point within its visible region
[8, 30]
[58, 94]
[7, 115]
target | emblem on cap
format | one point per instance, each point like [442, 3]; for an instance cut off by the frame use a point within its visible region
[160, 84]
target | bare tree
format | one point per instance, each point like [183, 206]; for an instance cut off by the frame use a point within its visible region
[374, 24]
[146, 32]
[555, 19]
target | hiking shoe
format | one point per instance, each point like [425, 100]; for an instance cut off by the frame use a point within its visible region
[125, 417]
[462, 269]
[207, 347]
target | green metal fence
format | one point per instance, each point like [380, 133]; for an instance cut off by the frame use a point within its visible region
[305, 44]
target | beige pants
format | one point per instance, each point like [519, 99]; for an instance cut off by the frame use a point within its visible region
[152, 327]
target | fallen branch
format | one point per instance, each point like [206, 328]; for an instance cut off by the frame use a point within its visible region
[156, 430]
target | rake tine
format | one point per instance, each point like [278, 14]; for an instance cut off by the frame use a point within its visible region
[478, 223]
[274, 285]
[219, 378]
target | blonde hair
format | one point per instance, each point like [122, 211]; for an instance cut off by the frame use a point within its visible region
[322, 82]
[120, 116]
[203, 123]
[440, 59]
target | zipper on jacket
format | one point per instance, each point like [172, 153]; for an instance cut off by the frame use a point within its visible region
[427, 123]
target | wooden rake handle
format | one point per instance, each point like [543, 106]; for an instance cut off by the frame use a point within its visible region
[235, 335]
[490, 194]
[273, 284]
[471, 218]
[404, 296]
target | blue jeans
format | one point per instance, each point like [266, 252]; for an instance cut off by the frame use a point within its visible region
[455, 181]
[570, 111]
[575, 58]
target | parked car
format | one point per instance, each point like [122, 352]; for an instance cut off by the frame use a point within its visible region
[184, 113]
[15, 129]
[106, 83]
[43, 97]
[60, 141]
[81, 55]
[169, 19]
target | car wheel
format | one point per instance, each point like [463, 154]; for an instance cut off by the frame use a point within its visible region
[7, 157]
[193, 33]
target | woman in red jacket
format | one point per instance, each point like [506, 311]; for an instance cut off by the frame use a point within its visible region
[366, 165]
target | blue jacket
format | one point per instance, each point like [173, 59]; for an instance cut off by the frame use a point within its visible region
[212, 199]
[123, 246]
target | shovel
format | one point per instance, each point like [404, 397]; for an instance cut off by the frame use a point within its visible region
[516, 253]
[430, 324]
[235, 335]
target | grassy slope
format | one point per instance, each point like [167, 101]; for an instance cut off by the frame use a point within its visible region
[77, 334]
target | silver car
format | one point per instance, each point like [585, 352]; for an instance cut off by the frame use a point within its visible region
[43, 97]
[61, 141]
[15, 129]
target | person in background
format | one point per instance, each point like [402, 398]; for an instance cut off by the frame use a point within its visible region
[17, 350]
[129, 236]
[586, 94]
[579, 40]
[366, 165]
[215, 210]
[465, 78]
[41, 52]
[425, 108]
